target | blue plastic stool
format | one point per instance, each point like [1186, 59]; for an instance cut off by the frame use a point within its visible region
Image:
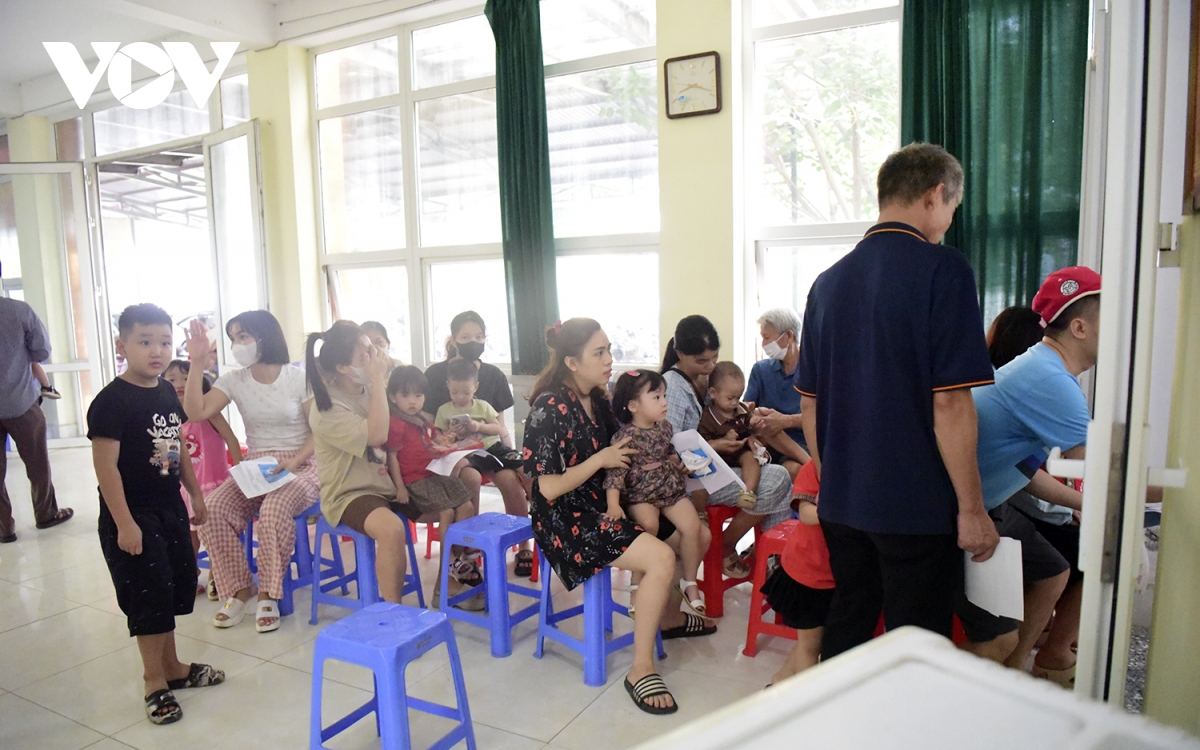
[597, 609]
[302, 558]
[363, 574]
[384, 638]
[493, 534]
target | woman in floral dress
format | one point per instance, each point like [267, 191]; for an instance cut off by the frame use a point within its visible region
[567, 450]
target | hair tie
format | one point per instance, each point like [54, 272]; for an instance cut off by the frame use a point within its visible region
[558, 326]
[634, 373]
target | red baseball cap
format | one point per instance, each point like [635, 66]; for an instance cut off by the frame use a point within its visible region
[1062, 288]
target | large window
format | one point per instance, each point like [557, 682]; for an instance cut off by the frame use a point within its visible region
[407, 153]
[825, 84]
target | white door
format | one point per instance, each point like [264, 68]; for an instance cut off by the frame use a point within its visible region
[1119, 223]
[44, 220]
[234, 182]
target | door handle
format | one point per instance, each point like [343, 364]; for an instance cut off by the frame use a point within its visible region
[1064, 468]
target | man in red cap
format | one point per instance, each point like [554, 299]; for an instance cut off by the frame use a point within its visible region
[1036, 404]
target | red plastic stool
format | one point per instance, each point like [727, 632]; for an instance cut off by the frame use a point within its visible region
[771, 543]
[715, 583]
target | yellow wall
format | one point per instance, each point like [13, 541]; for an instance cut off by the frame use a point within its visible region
[699, 176]
[279, 98]
[1173, 670]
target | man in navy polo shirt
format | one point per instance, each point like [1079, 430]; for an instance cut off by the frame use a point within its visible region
[893, 343]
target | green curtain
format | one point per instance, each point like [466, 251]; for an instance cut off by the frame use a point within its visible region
[523, 149]
[1000, 84]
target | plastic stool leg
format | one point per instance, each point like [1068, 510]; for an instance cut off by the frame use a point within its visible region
[595, 661]
[364, 560]
[391, 708]
[544, 610]
[460, 689]
[496, 584]
[314, 711]
[339, 566]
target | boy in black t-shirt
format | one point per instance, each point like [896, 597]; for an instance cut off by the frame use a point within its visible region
[134, 426]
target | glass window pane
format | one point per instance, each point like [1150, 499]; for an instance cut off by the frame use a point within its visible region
[575, 29]
[376, 293]
[68, 139]
[621, 292]
[448, 284]
[459, 181]
[451, 52]
[10, 251]
[767, 12]
[362, 187]
[235, 100]
[830, 107]
[123, 128]
[604, 150]
[789, 272]
[363, 71]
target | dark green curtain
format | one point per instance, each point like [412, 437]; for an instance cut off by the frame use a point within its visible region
[523, 151]
[1000, 84]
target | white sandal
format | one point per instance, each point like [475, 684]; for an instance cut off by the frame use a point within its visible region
[234, 610]
[632, 588]
[693, 606]
[267, 608]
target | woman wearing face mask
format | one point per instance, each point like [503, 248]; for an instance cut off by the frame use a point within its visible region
[273, 400]
[468, 335]
[770, 388]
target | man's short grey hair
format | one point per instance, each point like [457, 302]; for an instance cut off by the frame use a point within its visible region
[912, 171]
[782, 319]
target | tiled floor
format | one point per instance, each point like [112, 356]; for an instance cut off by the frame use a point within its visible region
[70, 675]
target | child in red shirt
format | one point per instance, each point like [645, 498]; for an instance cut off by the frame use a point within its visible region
[801, 588]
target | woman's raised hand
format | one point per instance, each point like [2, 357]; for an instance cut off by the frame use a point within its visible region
[616, 456]
[377, 363]
[198, 345]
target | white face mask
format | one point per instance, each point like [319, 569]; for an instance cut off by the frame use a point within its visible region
[359, 375]
[245, 354]
[774, 350]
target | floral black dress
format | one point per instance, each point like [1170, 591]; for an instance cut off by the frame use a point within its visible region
[571, 530]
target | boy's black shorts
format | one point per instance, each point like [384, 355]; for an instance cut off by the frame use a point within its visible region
[160, 583]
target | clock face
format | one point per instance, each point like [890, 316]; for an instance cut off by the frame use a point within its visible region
[693, 85]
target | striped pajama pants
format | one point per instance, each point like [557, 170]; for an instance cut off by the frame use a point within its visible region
[229, 512]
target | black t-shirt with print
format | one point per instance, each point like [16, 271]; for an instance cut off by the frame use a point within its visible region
[146, 422]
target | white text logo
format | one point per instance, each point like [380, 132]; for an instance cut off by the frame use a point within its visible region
[166, 60]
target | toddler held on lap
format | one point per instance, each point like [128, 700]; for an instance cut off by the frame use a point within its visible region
[726, 425]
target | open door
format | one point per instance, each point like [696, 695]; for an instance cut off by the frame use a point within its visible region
[43, 206]
[234, 183]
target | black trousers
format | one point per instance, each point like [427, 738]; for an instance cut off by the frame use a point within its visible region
[913, 579]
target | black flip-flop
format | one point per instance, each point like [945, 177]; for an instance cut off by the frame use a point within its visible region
[650, 686]
[693, 627]
[200, 675]
[62, 516]
[162, 708]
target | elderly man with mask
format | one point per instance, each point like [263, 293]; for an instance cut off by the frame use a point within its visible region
[771, 388]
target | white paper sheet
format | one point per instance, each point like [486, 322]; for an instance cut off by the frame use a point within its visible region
[717, 476]
[996, 584]
[253, 477]
[445, 464]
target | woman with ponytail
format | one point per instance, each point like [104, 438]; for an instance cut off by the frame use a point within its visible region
[689, 359]
[273, 401]
[350, 426]
[567, 451]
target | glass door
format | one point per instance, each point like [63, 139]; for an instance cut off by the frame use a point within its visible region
[46, 250]
[234, 182]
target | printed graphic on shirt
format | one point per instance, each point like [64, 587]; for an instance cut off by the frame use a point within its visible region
[165, 436]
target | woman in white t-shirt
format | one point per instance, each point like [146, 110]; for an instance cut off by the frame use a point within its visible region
[273, 400]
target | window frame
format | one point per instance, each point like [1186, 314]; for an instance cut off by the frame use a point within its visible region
[413, 254]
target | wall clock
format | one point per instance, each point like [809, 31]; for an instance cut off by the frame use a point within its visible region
[693, 85]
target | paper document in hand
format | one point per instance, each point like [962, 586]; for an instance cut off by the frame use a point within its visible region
[715, 475]
[997, 584]
[254, 477]
[445, 464]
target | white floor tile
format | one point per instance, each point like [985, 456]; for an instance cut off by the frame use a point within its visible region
[26, 725]
[33, 556]
[46, 647]
[22, 605]
[87, 583]
[108, 743]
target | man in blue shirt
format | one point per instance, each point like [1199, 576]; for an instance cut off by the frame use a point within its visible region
[772, 388]
[892, 344]
[1035, 405]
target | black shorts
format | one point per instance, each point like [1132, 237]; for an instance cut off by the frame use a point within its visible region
[158, 585]
[1065, 539]
[1039, 561]
[799, 606]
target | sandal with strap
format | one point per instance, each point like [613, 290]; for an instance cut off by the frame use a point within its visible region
[465, 571]
[524, 566]
[267, 609]
[632, 588]
[693, 627]
[234, 611]
[211, 589]
[650, 686]
[200, 675]
[693, 606]
[1063, 677]
[162, 708]
[733, 566]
